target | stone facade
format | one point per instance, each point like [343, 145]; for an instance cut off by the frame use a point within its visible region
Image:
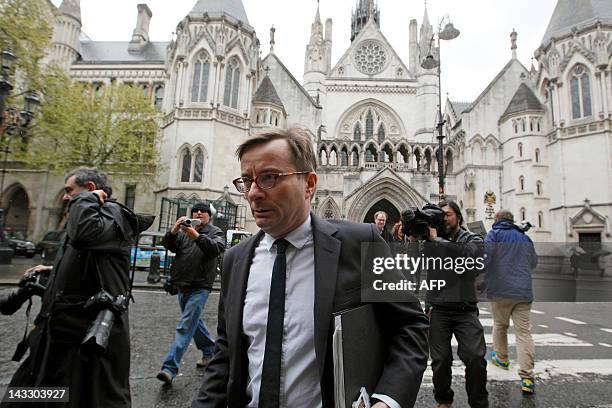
[535, 141]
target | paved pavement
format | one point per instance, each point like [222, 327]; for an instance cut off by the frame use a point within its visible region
[573, 353]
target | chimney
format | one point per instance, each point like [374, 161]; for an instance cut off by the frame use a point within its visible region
[140, 37]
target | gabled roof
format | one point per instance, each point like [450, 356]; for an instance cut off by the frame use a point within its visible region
[488, 88]
[459, 107]
[266, 93]
[356, 41]
[233, 8]
[117, 51]
[523, 100]
[297, 83]
[576, 13]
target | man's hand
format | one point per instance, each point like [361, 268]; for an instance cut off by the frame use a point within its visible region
[177, 225]
[380, 404]
[101, 195]
[433, 233]
[190, 232]
[39, 269]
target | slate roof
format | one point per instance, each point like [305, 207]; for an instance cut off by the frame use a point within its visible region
[576, 13]
[523, 100]
[459, 107]
[267, 93]
[233, 8]
[71, 7]
[117, 52]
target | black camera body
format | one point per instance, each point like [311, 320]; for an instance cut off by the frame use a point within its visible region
[108, 306]
[34, 282]
[417, 221]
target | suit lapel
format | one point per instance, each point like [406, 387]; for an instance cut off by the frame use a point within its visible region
[326, 254]
[236, 292]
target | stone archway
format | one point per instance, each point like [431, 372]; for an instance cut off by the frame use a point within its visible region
[386, 185]
[16, 206]
[393, 214]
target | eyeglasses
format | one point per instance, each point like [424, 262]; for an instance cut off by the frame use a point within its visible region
[264, 181]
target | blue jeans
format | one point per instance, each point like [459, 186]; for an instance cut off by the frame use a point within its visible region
[190, 326]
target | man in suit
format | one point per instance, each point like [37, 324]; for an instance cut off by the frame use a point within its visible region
[282, 286]
[380, 219]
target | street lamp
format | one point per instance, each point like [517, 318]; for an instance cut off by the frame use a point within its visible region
[11, 122]
[430, 62]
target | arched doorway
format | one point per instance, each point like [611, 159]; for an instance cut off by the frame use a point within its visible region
[16, 206]
[393, 214]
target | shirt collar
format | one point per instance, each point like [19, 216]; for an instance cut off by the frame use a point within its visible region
[297, 238]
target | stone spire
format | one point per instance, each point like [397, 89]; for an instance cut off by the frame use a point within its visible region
[365, 10]
[71, 8]
[513, 36]
[272, 42]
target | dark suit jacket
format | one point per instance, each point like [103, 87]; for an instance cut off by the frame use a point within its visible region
[337, 248]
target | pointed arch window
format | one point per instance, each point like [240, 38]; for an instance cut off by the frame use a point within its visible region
[523, 213]
[369, 125]
[198, 167]
[344, 157]
[355, 157]
[540, 219]
[159, 96]
[232, 84]
[539, 188]
[581, 92]
[381, 133]
[201, 72]
[520, 149]
[357, 133]
[186, 167]
[521, 183]
[537, 155]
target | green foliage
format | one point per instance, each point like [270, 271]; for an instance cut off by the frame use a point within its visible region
[114, 128]
[26, 27]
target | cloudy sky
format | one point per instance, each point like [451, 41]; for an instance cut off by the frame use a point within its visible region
[470, 61]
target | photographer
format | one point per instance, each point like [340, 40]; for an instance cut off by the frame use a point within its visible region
[94, 257]
[197, 244]
[32, 283]
[453, 309]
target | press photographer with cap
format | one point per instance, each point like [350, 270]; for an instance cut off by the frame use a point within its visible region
[197, 244]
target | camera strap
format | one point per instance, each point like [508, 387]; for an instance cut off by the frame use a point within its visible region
[23, 345]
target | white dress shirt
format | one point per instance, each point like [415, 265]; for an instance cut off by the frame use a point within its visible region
[300, 385]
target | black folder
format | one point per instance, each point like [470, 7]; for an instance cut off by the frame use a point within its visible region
[359, 354]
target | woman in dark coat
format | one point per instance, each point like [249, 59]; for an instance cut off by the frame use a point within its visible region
[95, 255]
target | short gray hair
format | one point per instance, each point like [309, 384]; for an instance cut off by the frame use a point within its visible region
[379, 213]
[83, 175]
[504, 215]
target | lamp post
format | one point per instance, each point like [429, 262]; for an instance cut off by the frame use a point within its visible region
[430, 62]
[12, 122]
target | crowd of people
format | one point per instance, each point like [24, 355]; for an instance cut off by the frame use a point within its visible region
[279, 293]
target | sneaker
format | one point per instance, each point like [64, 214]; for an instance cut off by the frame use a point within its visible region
[203, 362]
[164, 377]
[501, 363]
[527, 386]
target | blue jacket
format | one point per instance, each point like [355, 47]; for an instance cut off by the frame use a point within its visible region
[510, 257]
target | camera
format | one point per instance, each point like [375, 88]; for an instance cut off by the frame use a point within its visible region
[525, 226]
[96, 339]
[34, 282]
[417, 221]
[191, 222]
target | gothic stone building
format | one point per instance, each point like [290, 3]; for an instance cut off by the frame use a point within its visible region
[535, 141]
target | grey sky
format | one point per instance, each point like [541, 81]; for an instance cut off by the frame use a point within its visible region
[469, 62]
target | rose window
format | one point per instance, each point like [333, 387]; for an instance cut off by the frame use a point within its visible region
[370, 58]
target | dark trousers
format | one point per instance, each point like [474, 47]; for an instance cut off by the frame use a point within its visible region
[466, 327]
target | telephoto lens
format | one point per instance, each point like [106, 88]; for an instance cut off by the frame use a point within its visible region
[95, 342]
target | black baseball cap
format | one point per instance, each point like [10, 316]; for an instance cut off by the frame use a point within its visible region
[202, 207]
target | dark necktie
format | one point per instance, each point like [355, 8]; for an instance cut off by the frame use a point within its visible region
[269, 391]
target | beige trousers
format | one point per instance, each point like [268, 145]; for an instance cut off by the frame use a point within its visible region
[520, 312]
